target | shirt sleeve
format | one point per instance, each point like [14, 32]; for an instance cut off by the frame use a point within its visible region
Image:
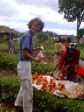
[62, 60]
[61, 66]
[25, 42]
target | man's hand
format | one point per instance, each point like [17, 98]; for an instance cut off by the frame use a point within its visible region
[37, 49]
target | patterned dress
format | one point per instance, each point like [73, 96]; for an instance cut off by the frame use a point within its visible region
[59, 48]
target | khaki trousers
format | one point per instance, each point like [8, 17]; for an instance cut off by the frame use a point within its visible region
[25, 95]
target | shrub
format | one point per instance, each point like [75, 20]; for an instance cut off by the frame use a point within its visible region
[10, 61]
[42, 101]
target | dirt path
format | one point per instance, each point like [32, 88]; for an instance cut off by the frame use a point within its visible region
[7, 72]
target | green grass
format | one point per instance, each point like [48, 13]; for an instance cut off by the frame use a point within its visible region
[3, 45]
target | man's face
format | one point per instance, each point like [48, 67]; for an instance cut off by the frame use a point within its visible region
[35, 28]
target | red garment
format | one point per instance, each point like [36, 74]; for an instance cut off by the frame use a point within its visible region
[66, 44]
[68, 61]
[80, 71]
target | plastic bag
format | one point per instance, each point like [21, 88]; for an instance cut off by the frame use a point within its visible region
[40, 55]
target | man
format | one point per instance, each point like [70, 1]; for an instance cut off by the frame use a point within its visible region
[69, 62]
[25, 95]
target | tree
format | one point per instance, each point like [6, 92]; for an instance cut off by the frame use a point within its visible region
[73, 10]
[42, 36]
[81, 32]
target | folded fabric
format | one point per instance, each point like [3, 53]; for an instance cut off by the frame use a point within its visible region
[80, 71]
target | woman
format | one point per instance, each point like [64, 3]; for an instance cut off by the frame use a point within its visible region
[69, 62]
[59, 48]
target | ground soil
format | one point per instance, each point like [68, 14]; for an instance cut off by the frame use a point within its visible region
[6, 72]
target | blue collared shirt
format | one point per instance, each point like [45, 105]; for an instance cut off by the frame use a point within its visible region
[26, 42]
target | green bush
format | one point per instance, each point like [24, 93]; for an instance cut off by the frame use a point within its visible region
[42, 101]
[8, 88]
[10, 61]
[42, 68]
[81, 47]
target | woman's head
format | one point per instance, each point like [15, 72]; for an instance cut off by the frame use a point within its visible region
[36, 24]
[62, 39]
[57, 39]
[68, 40]
[72, 47]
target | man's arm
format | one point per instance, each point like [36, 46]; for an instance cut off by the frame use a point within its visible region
[62, 60]
[26, 54]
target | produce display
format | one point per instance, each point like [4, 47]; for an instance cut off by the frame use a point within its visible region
[61, 88]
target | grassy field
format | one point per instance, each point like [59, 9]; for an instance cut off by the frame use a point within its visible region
[48, 47]
[4, 45]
